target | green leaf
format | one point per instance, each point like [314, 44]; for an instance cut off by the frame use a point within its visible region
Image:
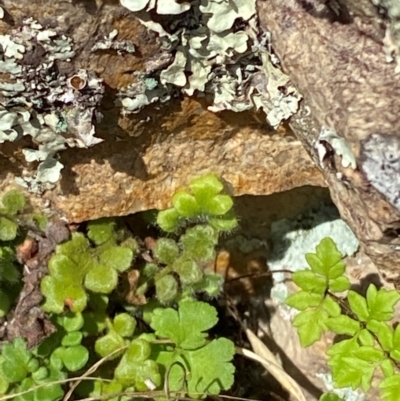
[4, 384]
[13, 201]
[211, 284]
[331, 307]
[353, 372]
[302, 300]
[339, 284]
[62, 268]
[169, 220]
[345, 347]
[225, 223]
[124, 325]
[325, 259]
[358, 305]
[135, 368]
[72, 338]
[384, 333]
[117, 257]
[188, 270]
[369, 354]
[185, 204]
[199, 243]
[390, 388]
[101, 279]
[41, 374]
[206, 186]
[353, 365]
[381, 303]
[366, 338]
[102, 230]
[331, 397]
[74, 358]
[108, 344]
[217, 206]
[166, 250]
[74, 248]
[343, 325]
[186, 326]
[166, 288]
[71, 321]
[387, 367]
[8, 229]
[310, 326]
[59, 294]
[309, 281]
[211, 370]
[16, 358]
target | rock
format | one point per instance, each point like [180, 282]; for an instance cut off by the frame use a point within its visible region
[146, 156]
[351, 92]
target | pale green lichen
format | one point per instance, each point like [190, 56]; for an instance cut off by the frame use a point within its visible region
[213, 55]
[391, 11]
[340, 146]
[162, 7]
[109, 42]
[40, 102]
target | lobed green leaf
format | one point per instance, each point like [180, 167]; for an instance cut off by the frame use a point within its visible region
[101, 230]
[199, 242]
[117, 257]
[381, 303]
[101, 279]
[166, 250]
[166, 288]
[169, 220]
[186, 326]
[124, 324]
[186, 204]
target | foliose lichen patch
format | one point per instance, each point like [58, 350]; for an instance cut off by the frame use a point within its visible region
[217, 49]
[40, 101]
[391, 12]
[380, 162]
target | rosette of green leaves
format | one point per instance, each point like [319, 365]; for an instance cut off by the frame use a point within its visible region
[204, 202]
[78, 266]
[183, 260]
[20, 371]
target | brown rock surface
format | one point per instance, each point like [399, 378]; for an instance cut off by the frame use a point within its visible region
[338, 64]
[134, 174]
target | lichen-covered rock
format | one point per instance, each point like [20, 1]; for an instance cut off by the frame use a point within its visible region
[349, 120]
[121, 83]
